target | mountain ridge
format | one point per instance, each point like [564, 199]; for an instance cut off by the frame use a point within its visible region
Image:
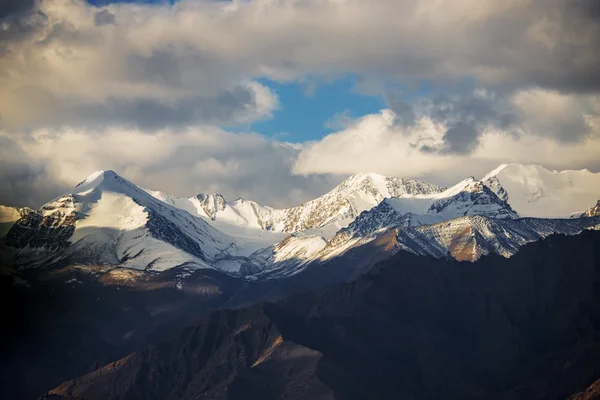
[525, 329]
[344, 202]
[107, 220]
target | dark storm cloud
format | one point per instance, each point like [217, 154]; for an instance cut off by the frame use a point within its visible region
[10, 7]
[104, 17]
[23, 181]
[575, 66]
[465, 113]
[467, 116]
[228, 107]
[461, 138]
[18, 25]
[403, 111]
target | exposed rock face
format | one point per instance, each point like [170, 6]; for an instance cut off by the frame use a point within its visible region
[474, 199]
[368, 222]
[211, 203]
[593, 212]
[35, 230]
[341, 203]
[591, 393]
[415, 328]
[468, 238]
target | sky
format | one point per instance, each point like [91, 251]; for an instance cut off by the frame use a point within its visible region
[279, 100]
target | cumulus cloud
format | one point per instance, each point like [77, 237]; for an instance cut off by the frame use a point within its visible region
[376, 143]
[143, 64]
[183, 163]
[65, 63]
[468, 113]
[565, 117]
[142, 88]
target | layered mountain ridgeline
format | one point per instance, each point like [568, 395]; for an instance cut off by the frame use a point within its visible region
[527, 327]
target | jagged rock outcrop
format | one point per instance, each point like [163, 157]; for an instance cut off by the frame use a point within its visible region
[593, 211]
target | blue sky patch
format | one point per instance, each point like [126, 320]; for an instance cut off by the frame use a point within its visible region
[307, 109]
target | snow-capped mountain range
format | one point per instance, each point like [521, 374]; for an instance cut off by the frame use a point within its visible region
[109, 223]
[327, 213]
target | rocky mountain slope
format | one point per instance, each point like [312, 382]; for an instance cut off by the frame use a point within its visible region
[469, 238]
[592, 211]
[465, 239]
[414, 328]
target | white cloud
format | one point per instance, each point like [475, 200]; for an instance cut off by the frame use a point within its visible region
[141, 89]
[375, 143]
[156, 66]
[184, 163]
[563, 116]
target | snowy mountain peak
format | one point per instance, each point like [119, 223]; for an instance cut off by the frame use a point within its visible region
[471, 197]
[108, 220]
[535, 191]
[100, 179]
[356, 178]
[96, 177]
[384, 186]
[211, 204]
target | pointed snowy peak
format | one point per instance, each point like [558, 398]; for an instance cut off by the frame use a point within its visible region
[471, 197]
[211, 204]
[102, 179]
[111, 221]
[90, 191]
[534, 191]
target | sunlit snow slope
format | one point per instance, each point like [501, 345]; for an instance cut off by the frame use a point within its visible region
[534, 191]
[325, 215]
[109, 220]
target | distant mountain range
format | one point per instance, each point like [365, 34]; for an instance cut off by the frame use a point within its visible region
[109, 221]
[111, 267]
